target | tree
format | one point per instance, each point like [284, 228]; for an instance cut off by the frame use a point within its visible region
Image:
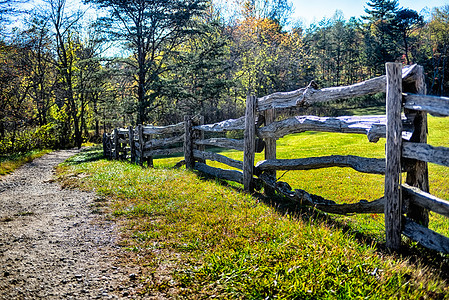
[278, 11]
[438, 29]
[405, 23]
[338, 36]
[15, 111]
[151, 30]
[379, 37]
[67, 42]
[354, 63]
[265, 56]
[319, 46]
[200, 78]
[381, 10]
[335, 47]
[41, 61]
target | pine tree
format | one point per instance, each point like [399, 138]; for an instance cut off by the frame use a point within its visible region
[383, 10]
[380, 36]
[404, 24]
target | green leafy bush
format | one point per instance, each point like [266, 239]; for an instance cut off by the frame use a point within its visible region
[43, 137]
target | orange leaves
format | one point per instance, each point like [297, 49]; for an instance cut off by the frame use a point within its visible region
[260, 29]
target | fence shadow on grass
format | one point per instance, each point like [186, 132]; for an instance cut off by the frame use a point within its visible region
[413, 252]
[89, 154]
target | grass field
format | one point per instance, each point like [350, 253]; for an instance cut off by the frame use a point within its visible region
[197, 238]
[345, 185]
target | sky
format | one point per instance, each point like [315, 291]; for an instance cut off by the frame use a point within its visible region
[309, 11]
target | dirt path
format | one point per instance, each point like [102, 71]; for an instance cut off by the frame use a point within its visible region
[52, 245]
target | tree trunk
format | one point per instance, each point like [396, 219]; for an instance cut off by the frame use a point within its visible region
[97, 128]
[406, 48]
[78, 135]
[141, 91]
[2, 130]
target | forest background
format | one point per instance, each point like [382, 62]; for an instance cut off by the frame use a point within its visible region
[65, 77]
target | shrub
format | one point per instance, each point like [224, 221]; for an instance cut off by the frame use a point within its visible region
[43, 137]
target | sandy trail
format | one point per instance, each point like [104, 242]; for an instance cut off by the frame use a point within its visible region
[52, 244]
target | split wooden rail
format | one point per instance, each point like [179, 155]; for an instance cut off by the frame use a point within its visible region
[140, 145]
[406, 205]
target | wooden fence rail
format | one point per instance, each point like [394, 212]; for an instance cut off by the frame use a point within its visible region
[406, 205]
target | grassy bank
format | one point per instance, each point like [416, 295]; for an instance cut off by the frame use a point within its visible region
[197, 238]
[11, 162]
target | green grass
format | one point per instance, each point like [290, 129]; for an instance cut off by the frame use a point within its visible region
[345, 185]
[198, 238]
[11, 162]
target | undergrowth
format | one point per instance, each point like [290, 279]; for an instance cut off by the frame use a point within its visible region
[222, 243]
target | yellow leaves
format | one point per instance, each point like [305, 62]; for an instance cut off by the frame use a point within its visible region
[265, 51]
[439, 24]
[267, 33]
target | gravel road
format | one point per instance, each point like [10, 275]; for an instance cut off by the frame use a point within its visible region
[52, 244]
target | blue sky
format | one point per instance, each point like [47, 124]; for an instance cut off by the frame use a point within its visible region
[309, 11]
[314, 10]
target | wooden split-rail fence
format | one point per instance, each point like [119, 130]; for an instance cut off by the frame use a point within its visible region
[406, 205]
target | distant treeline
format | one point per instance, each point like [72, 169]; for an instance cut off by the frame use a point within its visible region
[65, 79]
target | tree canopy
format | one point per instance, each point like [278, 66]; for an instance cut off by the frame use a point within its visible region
[60, 87]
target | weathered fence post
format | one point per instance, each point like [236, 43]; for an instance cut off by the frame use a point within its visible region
[393, 200]
[141, 144]
[109, 145]
[132, 145]
[149, 159]
[270, 147]
[116, 145]
[250, 143]
[417, 171]
[188, 143]
[199, 135]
